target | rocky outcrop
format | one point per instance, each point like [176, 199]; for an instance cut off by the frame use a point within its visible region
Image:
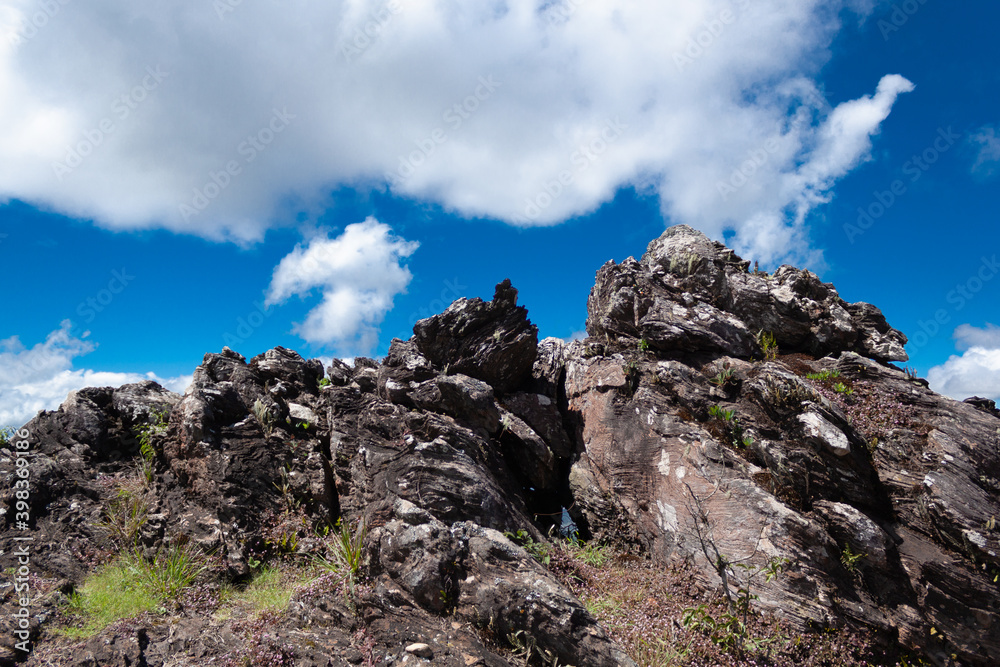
[714, 416]
[695, 295]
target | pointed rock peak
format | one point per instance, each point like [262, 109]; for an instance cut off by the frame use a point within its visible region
[505, 295]
[494, 341]
[685, 251]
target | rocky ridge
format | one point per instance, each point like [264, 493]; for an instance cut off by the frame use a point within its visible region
[713, 415]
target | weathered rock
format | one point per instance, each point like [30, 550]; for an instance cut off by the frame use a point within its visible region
[688, 293]
[493, 342]
[881, 495]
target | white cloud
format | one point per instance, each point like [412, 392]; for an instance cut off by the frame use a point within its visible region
[359, 274]
[525, 111]
[968, 336]
[480, 107]
[977, 371]
[40, 377]
[989, 150]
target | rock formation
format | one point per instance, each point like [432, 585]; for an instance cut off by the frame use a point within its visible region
[714, 415]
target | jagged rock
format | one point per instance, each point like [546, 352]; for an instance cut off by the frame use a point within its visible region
[338, 373]
[881, 495]
[689, 293]
[493, 342]
[985, 404]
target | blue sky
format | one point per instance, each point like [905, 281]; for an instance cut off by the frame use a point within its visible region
[176, 179]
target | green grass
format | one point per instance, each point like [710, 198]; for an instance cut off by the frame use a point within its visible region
[271, 590]
[823, 376]
[130, 586]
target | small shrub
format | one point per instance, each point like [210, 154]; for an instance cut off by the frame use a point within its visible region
[823, 376]
[724, 378]
[721, 413]
[643, 345]
[842, 388]
[768, 345]
[146, 434]
[324, 382]
[6, 435]
[540, 551]
[850, 559]
[264, 416]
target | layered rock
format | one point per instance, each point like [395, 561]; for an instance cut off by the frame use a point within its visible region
[676, 431]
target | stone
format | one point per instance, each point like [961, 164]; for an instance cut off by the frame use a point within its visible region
[490, 341]
[666, 432]
[421, 650]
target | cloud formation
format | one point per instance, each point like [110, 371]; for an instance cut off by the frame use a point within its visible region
[222, 119]
[40, 377]
[988, 157]
[359, 273]
[976, 372]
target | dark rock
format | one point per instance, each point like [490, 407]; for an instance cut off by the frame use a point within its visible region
[493, 341]
[882, 496]
[339, 373]
[985, 404]
[688, 293]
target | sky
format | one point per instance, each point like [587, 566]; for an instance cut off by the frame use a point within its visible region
[177, 177]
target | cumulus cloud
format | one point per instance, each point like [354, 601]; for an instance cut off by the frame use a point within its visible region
[359, 273]
[222, 119]
[40, 377]
[968, 336]
[989, 150]
[976, 372]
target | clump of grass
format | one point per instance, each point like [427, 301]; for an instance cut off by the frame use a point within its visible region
[270, 590]
[264, 416]
[596, 555]
[823, 376]
[129, 586]
[128, 510]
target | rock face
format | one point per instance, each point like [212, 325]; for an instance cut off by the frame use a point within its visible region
[713, 411]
